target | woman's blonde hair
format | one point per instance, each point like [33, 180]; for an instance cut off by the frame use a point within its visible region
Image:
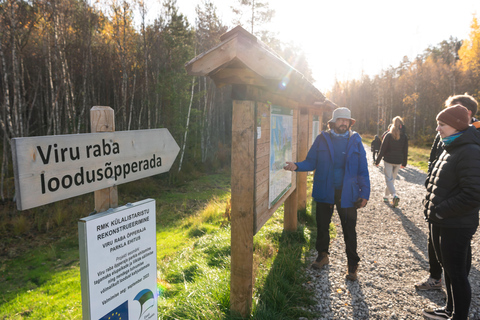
[397, 123]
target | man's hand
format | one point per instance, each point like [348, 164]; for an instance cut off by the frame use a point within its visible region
[363, 203]
[290, 166]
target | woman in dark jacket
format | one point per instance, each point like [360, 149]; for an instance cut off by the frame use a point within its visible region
[394, 152]
[451, 206]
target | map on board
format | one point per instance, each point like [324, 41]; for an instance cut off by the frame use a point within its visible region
[281, 132]
[316, 128]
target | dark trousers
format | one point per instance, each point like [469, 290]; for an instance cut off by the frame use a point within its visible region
[435, 266]
[454, 251]
[348, 217]
[375, 154]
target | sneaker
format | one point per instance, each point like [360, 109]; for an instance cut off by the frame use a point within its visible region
[322, 260]
[429, 284]
[352, 273]
[441, 313]
[396, 200]
[385, 199]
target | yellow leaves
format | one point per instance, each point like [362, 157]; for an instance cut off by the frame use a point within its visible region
[469, 53]
[409, 100]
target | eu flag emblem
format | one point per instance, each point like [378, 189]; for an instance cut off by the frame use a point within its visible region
[119, 313]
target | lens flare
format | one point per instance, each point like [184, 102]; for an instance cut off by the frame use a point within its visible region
[282, 85]
[162, 287]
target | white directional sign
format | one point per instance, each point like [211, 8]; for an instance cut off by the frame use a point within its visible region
[53, 168]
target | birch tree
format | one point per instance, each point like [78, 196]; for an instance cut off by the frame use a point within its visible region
[252, 14]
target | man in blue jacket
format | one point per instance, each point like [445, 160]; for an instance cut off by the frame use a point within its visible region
[341, 179]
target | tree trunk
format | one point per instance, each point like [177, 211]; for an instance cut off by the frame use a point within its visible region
[6, 120]
[131, 100]
[186, 127]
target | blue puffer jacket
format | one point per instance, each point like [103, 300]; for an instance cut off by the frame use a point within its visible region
[320, 157]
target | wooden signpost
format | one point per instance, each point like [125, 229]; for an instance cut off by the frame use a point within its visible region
[270, 124]
[117, 248]
[102, 119]
[52, 168]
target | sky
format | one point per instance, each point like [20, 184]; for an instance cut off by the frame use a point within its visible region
[344, 39]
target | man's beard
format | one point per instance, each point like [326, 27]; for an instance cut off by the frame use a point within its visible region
[341, 129]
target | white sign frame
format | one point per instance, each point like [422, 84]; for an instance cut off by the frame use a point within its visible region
[118, 263]
[280, 180]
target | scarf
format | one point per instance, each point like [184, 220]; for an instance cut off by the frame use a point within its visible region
[340, 135]
[448, 140]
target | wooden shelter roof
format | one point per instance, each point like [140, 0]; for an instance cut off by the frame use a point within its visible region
[241, 58]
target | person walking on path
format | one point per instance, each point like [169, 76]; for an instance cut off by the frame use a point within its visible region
[342, 180]
[394, 152]
[451, 206]
[434, 279]
[375, 147]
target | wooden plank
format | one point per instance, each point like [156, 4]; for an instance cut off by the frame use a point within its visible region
[262, 217]
[263, 109]
[258, 57]
[290, 208]
[262, 213]
[263, 149]
[263, 128]
[262, 190]
[290, 211]
[265, 136]
[52, 168]
[263, 162]
[239, 76]
[303, 143]
[243, 184]
[272, 70]
[260, 177]
[252, 93]
[213, 59]
[311, 114]
[102, 119]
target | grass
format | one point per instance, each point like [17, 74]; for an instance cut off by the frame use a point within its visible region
[39, 262]
[418, 157]
[39, 259]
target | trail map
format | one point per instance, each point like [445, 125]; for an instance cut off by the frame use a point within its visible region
[281, 132]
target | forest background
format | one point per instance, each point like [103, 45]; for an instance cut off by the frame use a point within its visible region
[60, 58]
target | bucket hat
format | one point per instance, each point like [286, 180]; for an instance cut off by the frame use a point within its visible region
[342, 113]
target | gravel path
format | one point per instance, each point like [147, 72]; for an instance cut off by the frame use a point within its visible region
[392, 244]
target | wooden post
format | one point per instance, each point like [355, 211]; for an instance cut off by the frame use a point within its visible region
[290, 217]
[290, 212]
[302, 147]
[243, 185]
[102, 119]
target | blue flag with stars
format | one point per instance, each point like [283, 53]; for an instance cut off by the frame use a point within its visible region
[119, 313]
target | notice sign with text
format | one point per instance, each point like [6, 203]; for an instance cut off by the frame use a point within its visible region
[118, 263]
[53, 168]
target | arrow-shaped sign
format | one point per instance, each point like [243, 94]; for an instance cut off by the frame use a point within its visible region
[53, 168]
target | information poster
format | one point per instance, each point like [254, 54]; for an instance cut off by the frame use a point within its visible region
[281, 132]
[118, 263]
[315, 128]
